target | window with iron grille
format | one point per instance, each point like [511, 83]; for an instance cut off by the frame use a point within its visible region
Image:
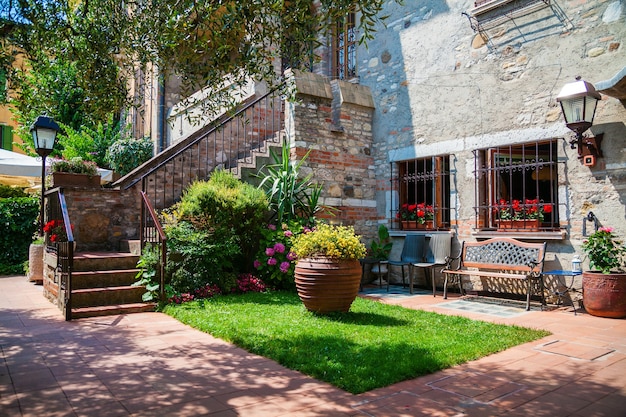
[516, 187]
[344, 48]
[424, 184]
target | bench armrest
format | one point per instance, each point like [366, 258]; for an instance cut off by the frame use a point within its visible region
[450, 259]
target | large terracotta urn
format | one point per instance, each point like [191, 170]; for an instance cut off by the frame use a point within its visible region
[326, 285]
[604, 295]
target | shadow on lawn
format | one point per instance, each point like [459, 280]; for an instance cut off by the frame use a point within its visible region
[362, 318]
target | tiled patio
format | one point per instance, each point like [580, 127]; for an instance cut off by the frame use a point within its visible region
[148, 364]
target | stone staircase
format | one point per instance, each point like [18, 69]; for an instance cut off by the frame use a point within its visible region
[102, 284]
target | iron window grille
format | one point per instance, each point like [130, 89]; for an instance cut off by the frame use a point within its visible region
[344, 45]
[517, 182]
[427, 181]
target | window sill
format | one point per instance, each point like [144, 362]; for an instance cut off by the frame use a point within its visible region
[427, 232]
[547, 235]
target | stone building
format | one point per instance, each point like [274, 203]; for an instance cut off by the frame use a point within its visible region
[465, 119]
[452, 106]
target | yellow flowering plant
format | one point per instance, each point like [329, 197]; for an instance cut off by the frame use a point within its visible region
[337, 242]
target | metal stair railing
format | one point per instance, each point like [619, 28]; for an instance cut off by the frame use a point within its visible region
[56, 210]
[227, 144]
[152, 233]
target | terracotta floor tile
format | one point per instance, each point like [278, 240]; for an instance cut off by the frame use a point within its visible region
[149, 364]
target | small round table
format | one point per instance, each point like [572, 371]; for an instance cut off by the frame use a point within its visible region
[568, 288]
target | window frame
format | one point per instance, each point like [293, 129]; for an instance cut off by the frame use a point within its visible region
[431, 178]
[537, 163]
[343, 48]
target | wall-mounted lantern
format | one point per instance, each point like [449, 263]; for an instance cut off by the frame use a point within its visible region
[578, 103]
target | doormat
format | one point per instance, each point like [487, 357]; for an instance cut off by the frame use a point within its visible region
[395, 292]
[490, 307]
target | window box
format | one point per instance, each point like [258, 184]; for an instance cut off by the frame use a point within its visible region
[530, 225]
[415, 225]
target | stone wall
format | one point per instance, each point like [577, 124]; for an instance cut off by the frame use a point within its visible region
[103, 217]
[333, 120]
[439, 89]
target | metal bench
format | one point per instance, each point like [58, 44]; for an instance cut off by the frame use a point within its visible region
[501, 258]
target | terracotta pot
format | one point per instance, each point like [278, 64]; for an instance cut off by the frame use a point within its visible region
[526, 225]
[428, 224]
[604, 295]
[325, 285]
[409, 225]
[35, 262]
[415, 225]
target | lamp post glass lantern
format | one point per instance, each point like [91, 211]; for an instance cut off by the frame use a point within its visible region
[44, 131]
[578, 103]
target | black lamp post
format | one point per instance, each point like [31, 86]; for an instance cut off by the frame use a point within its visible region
[44, 131]
[578, 103]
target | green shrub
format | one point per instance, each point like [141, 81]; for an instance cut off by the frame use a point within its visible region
[226, 203]
[7, 191]
[90, 144]
[18, 223]
[200, 257]
[213, 232]
[148, 275]
[127, 154]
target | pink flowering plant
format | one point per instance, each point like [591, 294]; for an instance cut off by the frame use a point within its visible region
[606, 252]
[275, 260]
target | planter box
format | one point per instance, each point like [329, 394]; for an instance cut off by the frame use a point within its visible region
[66, 179]
[529, 225]
[415, 225]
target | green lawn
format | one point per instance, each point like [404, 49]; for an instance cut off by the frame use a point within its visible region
[372, 346]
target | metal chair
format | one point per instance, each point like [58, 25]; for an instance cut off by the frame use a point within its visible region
[437, 251]
[412, 252]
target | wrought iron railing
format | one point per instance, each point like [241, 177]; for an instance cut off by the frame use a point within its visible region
[231, 143]
[151, 233]
[60, 240]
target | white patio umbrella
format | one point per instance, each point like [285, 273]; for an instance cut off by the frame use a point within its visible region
[23, 170]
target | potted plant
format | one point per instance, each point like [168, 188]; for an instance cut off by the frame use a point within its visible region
[604, 287]
[378, 253]
[74, 172]
[521, 215]
[328, 272]
[414, 216]
[35, 260]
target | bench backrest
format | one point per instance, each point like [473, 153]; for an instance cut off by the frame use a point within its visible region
[503, 254]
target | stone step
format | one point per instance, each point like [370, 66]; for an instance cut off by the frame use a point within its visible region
[132, 246]
[100, 279]
[84, 312]
[107, 296]
[104, 261]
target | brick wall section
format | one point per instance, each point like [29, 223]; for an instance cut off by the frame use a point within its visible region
[340, 147]
[103, 217]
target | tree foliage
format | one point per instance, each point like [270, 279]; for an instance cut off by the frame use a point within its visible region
[104, 42]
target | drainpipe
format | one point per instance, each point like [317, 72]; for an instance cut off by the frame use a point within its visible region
[161, 114]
